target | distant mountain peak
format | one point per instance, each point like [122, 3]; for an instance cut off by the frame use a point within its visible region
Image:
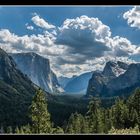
[117, 78]
[114, 69]
[78, 84]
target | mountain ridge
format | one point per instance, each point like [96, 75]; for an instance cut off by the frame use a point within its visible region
[16, 91]
[122, 79]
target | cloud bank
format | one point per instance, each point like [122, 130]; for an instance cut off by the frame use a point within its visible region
[79, 45]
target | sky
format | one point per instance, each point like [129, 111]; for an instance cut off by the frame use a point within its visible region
[76, 39]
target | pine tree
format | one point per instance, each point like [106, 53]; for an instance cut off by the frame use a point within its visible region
[73, 124]
[120, 114]
[107, 120]
[84, 125]
[69, 127]
[136, 100]
[76, 124]
[133, 104]
[95, 116]
[39, 114]
[133, 118]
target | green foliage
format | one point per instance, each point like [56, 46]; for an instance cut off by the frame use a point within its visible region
[134, 101]
[66, 102]
[95, 116]
[133, 118]
[58, 130]
[23, 130]
[107, 120]
[121, 118]
[16, 91]
[76, 124]
[40, 118]
[17, 130]
[12, 105]
[134, 130]
[120, 114]
[39, 114]
[133, 104]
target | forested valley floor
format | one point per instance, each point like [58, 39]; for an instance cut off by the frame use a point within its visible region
[77, 115]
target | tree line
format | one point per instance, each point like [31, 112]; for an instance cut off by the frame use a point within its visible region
[121, 118]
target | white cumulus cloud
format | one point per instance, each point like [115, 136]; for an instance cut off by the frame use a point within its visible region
[84, 35]
[133, 17]
[79, 45]
[38, 21]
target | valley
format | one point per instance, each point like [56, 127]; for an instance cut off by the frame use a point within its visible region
[69, 69]
[21, 77]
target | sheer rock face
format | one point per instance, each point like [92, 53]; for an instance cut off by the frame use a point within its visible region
[37, 68]
[116, 78]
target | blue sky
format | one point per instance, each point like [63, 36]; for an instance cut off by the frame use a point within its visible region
[16, 19]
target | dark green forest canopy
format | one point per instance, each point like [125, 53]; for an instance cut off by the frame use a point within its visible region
[122, 115]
